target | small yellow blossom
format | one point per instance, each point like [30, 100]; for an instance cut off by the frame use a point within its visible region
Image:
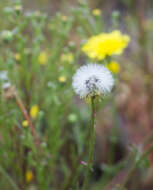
[64, 18]
[114, 67]
[25, 123]
[96, 12]
[37, 13]
[43, 58]
[18, 57]
[29, 176]
[67, 57]
[105, 44]
[62, 79]
[34, 111]
[18, 7]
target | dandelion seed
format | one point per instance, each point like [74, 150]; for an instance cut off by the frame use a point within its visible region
[34, 111]
[114, 67]
[92, 80]
[105, 44]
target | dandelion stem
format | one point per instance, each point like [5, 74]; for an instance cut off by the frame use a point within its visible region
[91, 144]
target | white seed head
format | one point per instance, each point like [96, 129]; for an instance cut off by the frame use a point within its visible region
[3, 75]
[91, 80]
[6, 85]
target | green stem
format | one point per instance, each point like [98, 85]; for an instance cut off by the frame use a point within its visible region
[4, 173]
[91, 144]
[148, 151]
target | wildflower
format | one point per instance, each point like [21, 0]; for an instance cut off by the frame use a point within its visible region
[67, 57]
[92, 80]
[64, 18]
[114, 67]
[43, 58]
[18, 57]
[62, 79]
[37, 13]
[29, 176]
[18, 8]
[105, 44]
[7, 35]
[25, 123]
[34, 111]
[96, 12]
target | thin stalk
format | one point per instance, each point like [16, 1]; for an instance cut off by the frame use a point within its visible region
[9, 179]
[91, 144]
[148, 151]
[27, 117]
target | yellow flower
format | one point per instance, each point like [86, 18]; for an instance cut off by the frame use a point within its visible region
[62, 79]
[34, 111]
[17, 57]
[105, 44]
[29, 176]
[114, 67]
[96, 12]
[64, 18]
[25, 123]
[18, 7]
[67, 57]
[37, 13]
[43, 58]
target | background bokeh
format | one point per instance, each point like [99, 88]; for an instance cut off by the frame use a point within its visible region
[123, 122]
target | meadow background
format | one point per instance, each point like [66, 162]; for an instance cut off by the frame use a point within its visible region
[43, 124]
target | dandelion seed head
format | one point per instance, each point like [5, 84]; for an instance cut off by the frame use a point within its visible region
[91, 80]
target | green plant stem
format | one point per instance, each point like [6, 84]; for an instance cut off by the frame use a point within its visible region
[9, 179]
[148, 151]
[91, 144]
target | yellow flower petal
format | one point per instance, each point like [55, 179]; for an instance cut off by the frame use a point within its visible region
[67, 57]
[25, 123]
[114, 67]
[34, 111]
[43, 58]
[18, 56]
[96, 12]
[105, 44]
[64, 18]
[62, 79]
[29, 176]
